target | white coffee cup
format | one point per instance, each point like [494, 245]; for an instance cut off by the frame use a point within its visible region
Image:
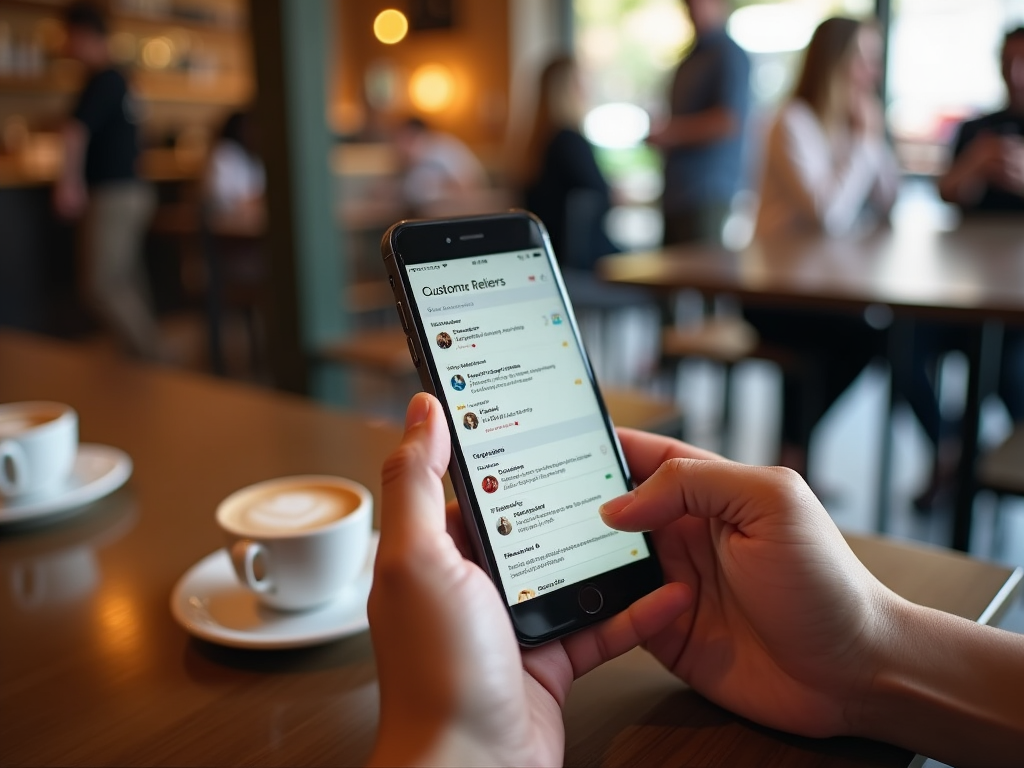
[38, 445]
[298, 542]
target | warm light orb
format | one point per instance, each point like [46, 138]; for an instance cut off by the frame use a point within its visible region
[158, 53]
[390, 26]
[431, 88]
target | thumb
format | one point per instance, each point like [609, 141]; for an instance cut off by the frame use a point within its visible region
[734, 493]
[412, 496]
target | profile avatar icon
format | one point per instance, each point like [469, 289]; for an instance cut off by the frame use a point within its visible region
[489, 484]
[526, 594]
[504, 526]
[444, 340]
[470, 421]
[458, 383]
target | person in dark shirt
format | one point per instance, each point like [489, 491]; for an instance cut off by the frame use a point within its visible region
[562, 182]
[986, 177]
[703, 140]
[99, 185]
[987, 173]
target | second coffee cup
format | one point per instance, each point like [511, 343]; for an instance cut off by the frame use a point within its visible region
[38, 445]
[298, 542]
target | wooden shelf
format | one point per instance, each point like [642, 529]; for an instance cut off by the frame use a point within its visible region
[41, 85]
[57, 6]
[163, 23]
[169, 87]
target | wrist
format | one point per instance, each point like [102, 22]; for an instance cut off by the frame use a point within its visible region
[439, 746]
[945, 687]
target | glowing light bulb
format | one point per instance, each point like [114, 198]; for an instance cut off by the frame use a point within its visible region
[431, 88]
[390, 26]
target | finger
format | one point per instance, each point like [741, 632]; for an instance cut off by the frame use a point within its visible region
[412, 496]
[735, 493]
[646, 452]
[457, 529]
[640, 622]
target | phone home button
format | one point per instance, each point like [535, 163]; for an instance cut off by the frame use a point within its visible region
[591, 599]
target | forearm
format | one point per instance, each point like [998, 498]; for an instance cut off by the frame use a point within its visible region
[963, 184]
[950, 689]
[434, 747]
[74, 138]
[704, 127]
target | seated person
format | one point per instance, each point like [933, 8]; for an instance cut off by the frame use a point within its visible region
[986, 177]
[560, 181]
[765, 611]
[987, 173]
[828, 171]
[235, 181]
[558, 173]
[436, 167]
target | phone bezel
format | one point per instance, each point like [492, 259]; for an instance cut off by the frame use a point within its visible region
[418, 242]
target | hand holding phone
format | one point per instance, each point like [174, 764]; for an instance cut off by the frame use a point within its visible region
[456, 688]
[493, 336]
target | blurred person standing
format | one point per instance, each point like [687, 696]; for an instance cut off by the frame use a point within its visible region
[558, 174]
[828, 171]
[703, 141]
[437, 167]
[99, 184]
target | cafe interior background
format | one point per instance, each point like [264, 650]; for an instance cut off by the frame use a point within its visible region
[297, 299]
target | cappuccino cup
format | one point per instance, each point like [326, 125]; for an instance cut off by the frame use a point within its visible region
[38, 445]
[298, 542]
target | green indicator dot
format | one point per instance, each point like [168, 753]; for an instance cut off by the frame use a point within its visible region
[608, 476]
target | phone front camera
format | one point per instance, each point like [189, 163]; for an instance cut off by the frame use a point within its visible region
[447, 239]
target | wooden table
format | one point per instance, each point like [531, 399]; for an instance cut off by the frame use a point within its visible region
[94, 671]
[973, 276]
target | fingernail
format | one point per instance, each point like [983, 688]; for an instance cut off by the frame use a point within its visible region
[419, 408]
[616, 505]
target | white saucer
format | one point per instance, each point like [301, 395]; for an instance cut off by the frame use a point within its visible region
[210, 603]
[98, 471]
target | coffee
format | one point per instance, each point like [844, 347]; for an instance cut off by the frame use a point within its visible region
[14, 424]
[284, 510]
[298, 542]
[38, 446]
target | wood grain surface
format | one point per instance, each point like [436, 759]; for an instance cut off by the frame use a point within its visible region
[95, 672]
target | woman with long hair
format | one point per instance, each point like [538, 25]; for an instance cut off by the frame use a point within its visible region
[557, 173]
[828, 170]
[828, 166]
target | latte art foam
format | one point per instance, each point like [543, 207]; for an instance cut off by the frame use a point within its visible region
[283, 510]
[294, 510]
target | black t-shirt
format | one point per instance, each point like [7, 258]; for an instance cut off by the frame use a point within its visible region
[571, 197]
[108, 111]
[1003, 124]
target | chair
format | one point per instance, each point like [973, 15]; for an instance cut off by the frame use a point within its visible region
[1002, 469]
[722, 339]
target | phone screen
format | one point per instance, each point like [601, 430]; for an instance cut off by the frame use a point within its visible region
[540, 458]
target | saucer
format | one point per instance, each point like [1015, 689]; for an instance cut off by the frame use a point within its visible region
[99, 470]
[210, 603]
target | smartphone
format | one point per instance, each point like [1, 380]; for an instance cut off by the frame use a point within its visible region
[492, 333]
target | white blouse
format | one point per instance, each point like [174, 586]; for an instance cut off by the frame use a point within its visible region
[839, 186]
[233, 177]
